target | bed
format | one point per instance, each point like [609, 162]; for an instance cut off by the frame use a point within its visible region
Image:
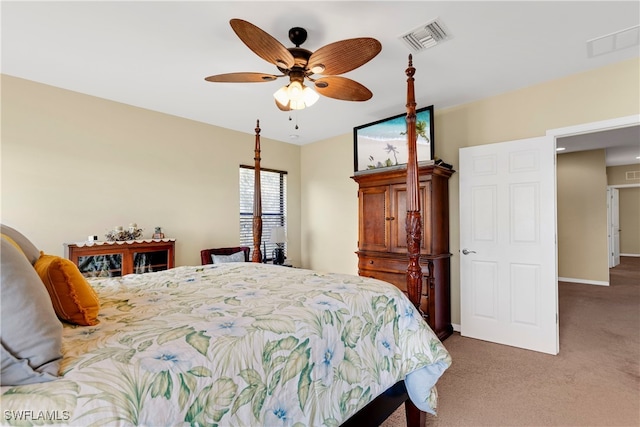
[231, 344]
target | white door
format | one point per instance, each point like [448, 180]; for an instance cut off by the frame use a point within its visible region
[508, 260]
[614, 227]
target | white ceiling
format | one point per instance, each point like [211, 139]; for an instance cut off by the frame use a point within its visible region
[622, 145]
[155, 55]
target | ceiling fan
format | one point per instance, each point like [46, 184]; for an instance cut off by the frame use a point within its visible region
[299, 64]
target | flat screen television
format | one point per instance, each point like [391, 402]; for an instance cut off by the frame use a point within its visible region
[383, 143]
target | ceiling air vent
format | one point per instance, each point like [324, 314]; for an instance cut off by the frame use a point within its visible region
[629, 37]
[632, 175]
[426, 36]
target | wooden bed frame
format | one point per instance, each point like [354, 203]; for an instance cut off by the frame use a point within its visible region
[384, 405]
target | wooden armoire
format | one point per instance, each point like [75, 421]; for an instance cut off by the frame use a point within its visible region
[382, 241]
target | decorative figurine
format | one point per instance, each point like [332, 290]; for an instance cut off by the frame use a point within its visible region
[119, 233]
[158, 234]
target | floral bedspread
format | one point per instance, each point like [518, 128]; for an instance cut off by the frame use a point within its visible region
[238, 344]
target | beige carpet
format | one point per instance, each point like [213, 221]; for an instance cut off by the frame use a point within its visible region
[593, 381]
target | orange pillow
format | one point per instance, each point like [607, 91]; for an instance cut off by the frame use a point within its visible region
[73, 298]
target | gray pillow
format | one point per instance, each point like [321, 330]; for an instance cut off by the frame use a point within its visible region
[220, 259]
[28, 248]
[30, 332]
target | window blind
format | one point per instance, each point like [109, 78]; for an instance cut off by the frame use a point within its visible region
[273, 184]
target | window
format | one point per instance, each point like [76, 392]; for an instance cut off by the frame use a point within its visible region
[273, 184]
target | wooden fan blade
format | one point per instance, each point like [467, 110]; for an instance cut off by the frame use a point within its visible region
[342, 88]
[242, 78]
[343, 56]
[262, 44]
[283, 107]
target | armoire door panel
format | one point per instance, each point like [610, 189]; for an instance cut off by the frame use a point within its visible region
[373, 230]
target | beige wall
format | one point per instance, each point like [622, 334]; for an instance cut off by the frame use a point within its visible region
[329, 207]
[629, 207]
[629, 221]
[75, 165]
[601, 94]
[582, 216]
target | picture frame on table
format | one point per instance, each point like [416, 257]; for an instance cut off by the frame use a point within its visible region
[382, 144]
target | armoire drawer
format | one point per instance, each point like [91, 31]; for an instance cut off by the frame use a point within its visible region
[391, 265]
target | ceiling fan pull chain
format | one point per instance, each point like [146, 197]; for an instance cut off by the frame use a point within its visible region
[291, 119]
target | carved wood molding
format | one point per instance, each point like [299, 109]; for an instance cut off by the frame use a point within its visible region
[414, 219]
[257, 201]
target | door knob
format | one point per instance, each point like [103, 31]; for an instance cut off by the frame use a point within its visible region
[466, 251]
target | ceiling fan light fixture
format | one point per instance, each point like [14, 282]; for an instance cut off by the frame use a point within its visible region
[297, 105]
[282, 96]
[296, 95]
[294, 91]
[309, 96]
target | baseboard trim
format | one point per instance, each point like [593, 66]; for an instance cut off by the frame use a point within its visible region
[456, 327]
[583, 281]
[635, 255]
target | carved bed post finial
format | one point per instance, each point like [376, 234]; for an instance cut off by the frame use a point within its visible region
[257, 201]
[414, 220]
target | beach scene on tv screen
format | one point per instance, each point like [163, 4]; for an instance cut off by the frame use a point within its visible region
[384, 144]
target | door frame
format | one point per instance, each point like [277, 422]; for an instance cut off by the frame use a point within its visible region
[620, 122]
[584, 128]
[612, 212]
[609, 188]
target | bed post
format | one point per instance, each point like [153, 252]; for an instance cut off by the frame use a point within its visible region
[415, 417]
[385, 404]
[414, 221]
[257, 201]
